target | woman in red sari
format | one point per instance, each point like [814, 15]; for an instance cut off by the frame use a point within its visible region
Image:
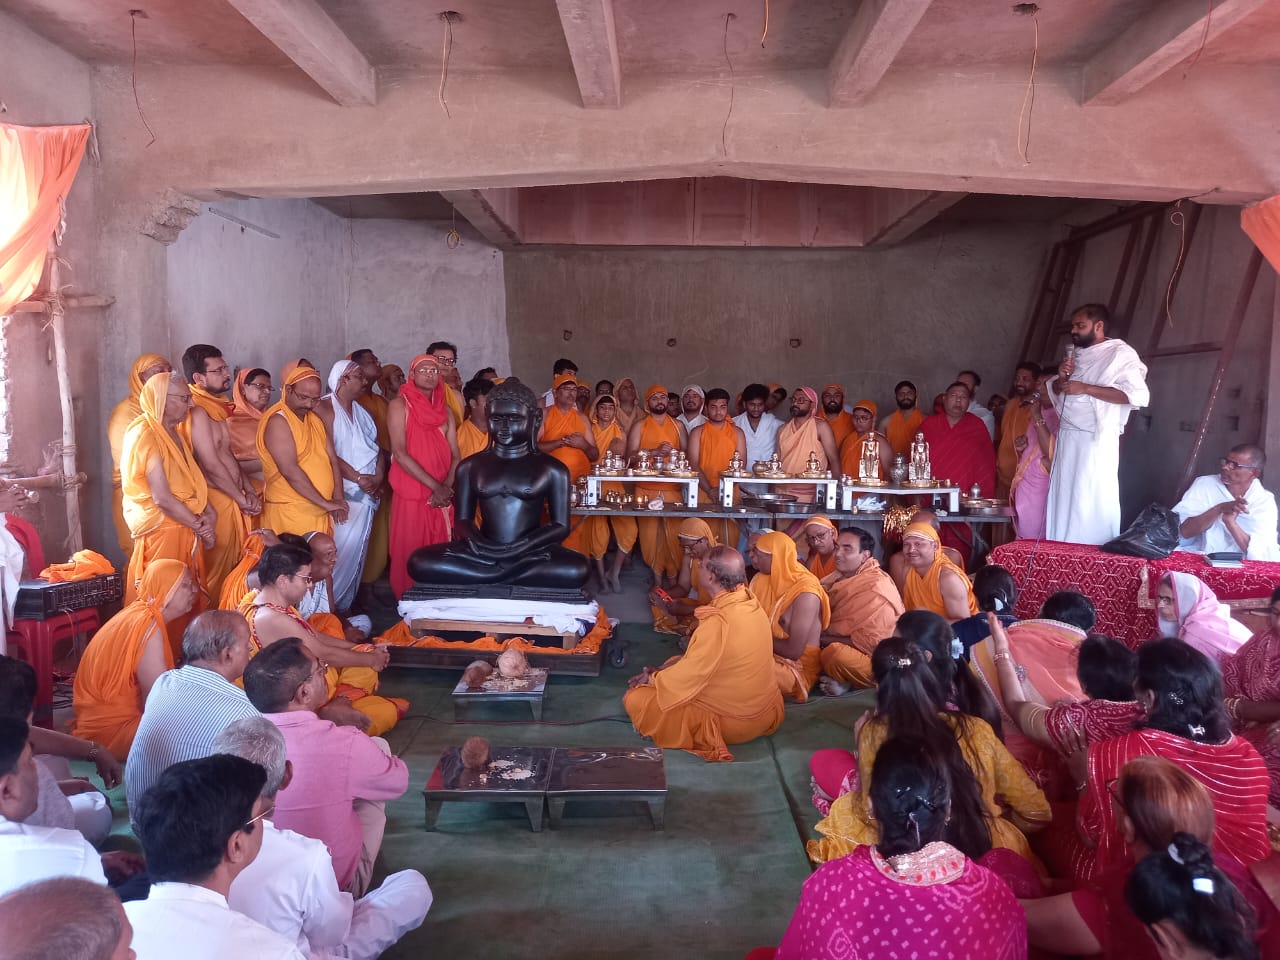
[912, 893]
[1251, 682]
[1181, 691]
[424, 455]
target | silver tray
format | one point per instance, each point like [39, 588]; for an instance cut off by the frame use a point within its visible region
[767, 501]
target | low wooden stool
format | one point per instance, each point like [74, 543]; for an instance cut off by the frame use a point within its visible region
[583, 773]
[528, 690]
[451, 781]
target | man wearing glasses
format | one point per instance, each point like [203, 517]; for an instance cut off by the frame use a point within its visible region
[446, 355]
[1231, 511]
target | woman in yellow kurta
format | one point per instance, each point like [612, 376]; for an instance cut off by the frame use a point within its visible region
[125, 412]
[777, 590]
[909, 699]
[125, 657]
[285, 509]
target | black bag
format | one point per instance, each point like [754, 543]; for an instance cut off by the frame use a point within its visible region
[1153, 535]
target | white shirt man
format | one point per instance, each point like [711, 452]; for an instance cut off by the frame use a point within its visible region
[693, 402]
[1230, 512]
[762, 434]
[193, 922]
[1094, 393]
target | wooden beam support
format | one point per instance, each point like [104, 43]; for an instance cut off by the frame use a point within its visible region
[1156, 43]
[309, 37]
[893, 215]
[494, 213]
[593, 47]
[42, 306]
[878, 31]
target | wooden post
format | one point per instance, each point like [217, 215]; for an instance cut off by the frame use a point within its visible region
[71, 494]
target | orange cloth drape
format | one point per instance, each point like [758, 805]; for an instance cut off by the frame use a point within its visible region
[1261, 222]
[37, 167]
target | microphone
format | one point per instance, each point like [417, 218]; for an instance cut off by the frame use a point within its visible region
[1071, 355]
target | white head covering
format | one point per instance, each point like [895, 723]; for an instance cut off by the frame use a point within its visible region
[338, 370]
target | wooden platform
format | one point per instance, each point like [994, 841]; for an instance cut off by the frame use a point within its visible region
[443, 658]
[542, 636]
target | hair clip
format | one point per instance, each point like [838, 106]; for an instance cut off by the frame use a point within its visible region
[998, 603]
[1196, 729]
[1175, 856]
[903, 661]
[1176, 698]
[957, 648]
[1202, 885]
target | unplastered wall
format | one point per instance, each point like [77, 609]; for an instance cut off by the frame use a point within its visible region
[409, 287]
[953, 296]
[42, 84]
[1158, 441]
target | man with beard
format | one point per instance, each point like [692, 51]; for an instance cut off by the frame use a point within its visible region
[834, 413]
[804, 434]
[693, 401]
[231, 494]
[712, 445]
[903, 424]
[657, 434]
[1096, 389]
[1017, 417]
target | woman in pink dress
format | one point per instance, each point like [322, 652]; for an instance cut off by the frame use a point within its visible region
[1029, 490]
[1187, 609]
[1251, 683]
[911, 894]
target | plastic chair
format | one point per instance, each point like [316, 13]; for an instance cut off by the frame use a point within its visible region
[34, 642]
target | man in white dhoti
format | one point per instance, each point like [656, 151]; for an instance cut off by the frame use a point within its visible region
[1096, 389]
[1231, 511]
[355, 441]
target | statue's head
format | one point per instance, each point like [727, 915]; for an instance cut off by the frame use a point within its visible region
[515, 415]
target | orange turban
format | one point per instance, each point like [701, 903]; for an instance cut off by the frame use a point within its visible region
[922, 530]
[695, 528]
[562, 379]
[833, 386]
[139, 367]
[656, 388]
[298, 374]
[867, 405]
[820, 520]
[413, 364]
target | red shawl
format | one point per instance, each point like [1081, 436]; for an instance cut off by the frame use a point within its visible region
[962, 454]
[1253, 671]
[423, 440]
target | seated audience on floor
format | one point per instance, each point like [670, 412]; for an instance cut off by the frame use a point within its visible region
[1181, 691]
[72, 803]
[820, 537]
[910, 700]
[201, 826]
[1251, 683]
[1231, 512]
[676, 614]
[1187, 609]
[127, 655]
[191, 705]
[933, 634]
[290, 886]
[896, 562]
[995, 591]
[865, 606]
[798, 612]
[1155, 801]
[723, 689]
[243, 577]
[932, 581]
[64, 918]
[29, 852]
[911, 890]
[341, 778]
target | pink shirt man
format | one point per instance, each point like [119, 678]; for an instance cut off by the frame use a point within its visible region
[333, 769]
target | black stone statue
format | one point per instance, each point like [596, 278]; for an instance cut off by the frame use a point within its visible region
[511, 482]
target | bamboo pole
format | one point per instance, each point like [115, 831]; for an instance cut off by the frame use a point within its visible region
[75, 537]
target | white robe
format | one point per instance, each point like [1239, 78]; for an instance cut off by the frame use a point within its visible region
[1084, 484]
[355, 440]
[1259, 523]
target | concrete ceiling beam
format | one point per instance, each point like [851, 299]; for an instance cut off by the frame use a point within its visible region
[893, 215]
[309, 37]
[878, 31]
[1156, 43]
[593, 47]
[494, 213]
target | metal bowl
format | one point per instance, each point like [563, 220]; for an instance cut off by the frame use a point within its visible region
[794, 507]
[767, 501]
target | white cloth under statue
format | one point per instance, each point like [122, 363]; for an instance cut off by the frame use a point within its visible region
[355, 440]
[1084, 484]
[1259, 523]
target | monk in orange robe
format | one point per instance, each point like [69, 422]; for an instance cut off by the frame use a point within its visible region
[711, 448]
[864, 426]
[658, 435]
[303, 489]
[594, 532]
[804, 436]
[251, 396]
[695, 541]
[629, 409]
[820, 532]
[127, 654]
[1018, 413]
[236, 583]
[473, 435]
[230, 492]
[933, 581]
[566, 432]
[125, 412]
[798, 612]
[834, 413]
[722, 690]
[166, 500]
[865, 606]
[901, 426]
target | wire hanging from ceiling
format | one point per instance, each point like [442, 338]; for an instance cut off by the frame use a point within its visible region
[1204, 37]
[1029, 98]
[732, 84]
[134, 17]
[453, 238]
[1179, 220]
[448, 16]
[766, 24]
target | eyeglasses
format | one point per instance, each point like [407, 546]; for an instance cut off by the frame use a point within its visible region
[1113, 793]
[447, 361]
[261, 386]
[1228, 462]
[309, 580]
[322, 667]
[262, 816]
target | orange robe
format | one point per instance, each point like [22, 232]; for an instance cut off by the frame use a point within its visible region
[231, 525]
[925, 593]
[1013, 425]
[235, 585]
[655, 546]
[842, 427]
[851, 456]
[124, 413]
[108, 699]
[900, 430]
[865, 608]
[557, 423]
[717, 444]
[777, 590]
[594, 531]
[453, 400]
[243, 426]
[819, 565]
[721, 691]
[155, 535]
[794, 446]
[284, 510]
[471, 440]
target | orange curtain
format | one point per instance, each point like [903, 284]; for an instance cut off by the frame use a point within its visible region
[37, 165]
[1262, 223]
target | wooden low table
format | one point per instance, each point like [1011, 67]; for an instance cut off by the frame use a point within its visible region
[529, 690]
[450, 781]
[585, 773]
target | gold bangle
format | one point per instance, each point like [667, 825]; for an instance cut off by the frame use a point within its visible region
[94, 749]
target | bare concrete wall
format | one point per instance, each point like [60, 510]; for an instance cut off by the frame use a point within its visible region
[42, 84]
[408, 288]
[951, 297]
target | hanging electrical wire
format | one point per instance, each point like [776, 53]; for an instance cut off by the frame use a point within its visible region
[732, 83]
[766, 23]
[1029, 98]
[134, 16]
[1179, 220]
[453, 238]
[448, 16]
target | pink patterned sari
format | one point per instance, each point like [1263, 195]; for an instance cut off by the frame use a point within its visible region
[1029, 491]
[1253, 673]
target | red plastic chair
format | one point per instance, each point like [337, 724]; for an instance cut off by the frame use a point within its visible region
[34, 641]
